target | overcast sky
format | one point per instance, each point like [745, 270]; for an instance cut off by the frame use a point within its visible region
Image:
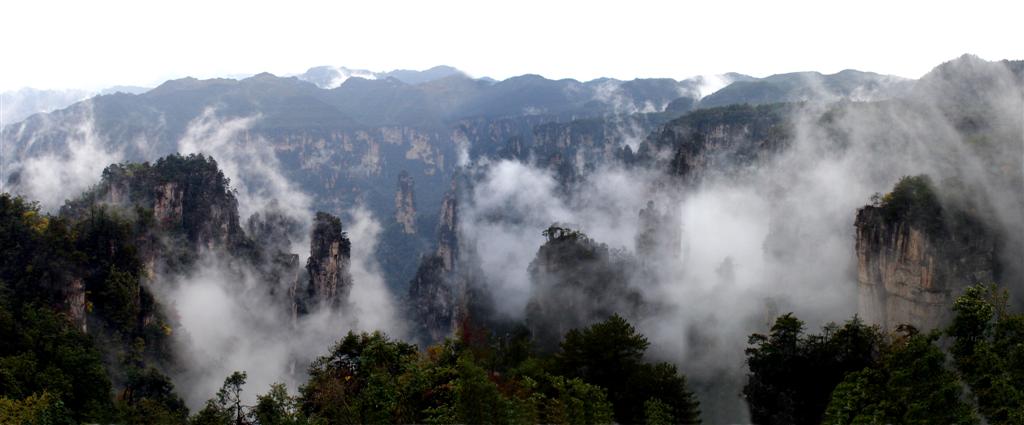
[93, 44]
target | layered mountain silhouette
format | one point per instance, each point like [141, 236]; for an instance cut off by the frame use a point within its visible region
[345, 135]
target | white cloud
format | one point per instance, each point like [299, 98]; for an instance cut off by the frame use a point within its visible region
[229, 319]
[57, 174]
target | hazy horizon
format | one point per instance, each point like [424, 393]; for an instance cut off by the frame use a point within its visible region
[233, 39]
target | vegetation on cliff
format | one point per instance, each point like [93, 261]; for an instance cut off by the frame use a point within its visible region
[577, 281]
[915, 200]
[186, 199]
[57, 278]
[912, 200]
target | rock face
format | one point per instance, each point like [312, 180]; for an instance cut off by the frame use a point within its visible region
[75, 303]
[272, 233]
[167, 208]
[573, 149]
[431, 303]
[208, 225]
[447, 231]
[273, 228]
[717, 141]
[330, 280]
[405, 203]
[436, 294]
[192, 207]
[908, 274]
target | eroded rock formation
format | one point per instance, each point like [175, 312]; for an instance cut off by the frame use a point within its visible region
[914, 260]
[721, 141]
[327, 268]
[405, 203]
[447, 231]
[75, 303]
[575, 282]
[431, 303]
[185, 202]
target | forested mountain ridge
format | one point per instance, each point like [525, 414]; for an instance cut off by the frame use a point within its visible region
[108, 262]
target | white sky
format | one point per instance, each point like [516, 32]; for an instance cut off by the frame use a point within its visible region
[94, 44]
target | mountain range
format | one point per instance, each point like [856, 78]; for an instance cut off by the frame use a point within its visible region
[434, 204]
[345, 140]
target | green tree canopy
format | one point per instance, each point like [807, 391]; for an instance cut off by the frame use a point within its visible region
[910, 385]
[988, 350]
[792, 374]
[610, 354]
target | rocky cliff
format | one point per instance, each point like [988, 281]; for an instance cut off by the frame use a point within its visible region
[710, 142]
[273, 233]
[181, 207]
[431, 302]
[447, 231]
[75, 303]
[329, 279]
[914, 257]
[436, 295]
[572, 149]
[405, 203]
[183, 202]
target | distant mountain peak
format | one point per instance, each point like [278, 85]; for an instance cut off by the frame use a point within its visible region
[419, 77]
[178, 84]
[330, 77]
[804, 86]
[964, 62]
